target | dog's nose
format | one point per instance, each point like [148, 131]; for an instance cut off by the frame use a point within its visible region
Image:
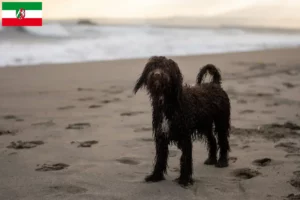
[156, 74]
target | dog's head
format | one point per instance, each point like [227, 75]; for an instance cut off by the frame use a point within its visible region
[161, 76]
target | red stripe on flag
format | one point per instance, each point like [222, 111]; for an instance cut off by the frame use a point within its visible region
[22, 22]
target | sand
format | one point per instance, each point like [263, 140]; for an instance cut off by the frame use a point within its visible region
[75, 131]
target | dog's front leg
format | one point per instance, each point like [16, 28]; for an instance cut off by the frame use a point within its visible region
[186, 162]
[161, 158]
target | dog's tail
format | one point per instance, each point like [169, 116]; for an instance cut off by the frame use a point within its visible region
[212, 70]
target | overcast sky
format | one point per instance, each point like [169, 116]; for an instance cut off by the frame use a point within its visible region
[146, 8]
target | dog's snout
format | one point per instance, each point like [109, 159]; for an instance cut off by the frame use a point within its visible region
[156, 74]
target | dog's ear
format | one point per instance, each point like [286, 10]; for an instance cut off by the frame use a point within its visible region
[140, 82]
[177, 78]
[152, 62]
[176, 73]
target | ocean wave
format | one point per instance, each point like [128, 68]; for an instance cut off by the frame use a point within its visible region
[96, 43]
[234, 31]
[52, 30]
[47, 30]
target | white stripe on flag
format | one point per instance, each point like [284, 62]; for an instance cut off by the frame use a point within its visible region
[28, 14]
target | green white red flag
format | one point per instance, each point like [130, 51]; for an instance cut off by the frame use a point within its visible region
[22, 14]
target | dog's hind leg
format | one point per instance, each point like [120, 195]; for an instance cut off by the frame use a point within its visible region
[161, 159]
[186, 162]
[212, 147]
[222, 128]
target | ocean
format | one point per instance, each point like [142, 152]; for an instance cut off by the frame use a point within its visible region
[68, 43]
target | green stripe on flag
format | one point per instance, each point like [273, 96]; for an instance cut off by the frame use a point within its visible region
[18, 14]
[24, 5]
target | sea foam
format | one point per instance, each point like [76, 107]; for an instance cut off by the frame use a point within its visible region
[58, 43]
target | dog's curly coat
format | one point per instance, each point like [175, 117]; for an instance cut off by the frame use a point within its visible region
[182, 113]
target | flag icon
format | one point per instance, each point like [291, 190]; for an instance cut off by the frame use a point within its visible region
[22, 14]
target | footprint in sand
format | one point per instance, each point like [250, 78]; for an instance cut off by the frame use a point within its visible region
[280, 118]
[234, 145]
[86, 99]
[276, 132]
[292, 155]
[292, 72]
[78, 126]
[241, 101]
[272, 104]
[71, 189]
[88, 143]
[245, 173]
[85, 89]
[268, 111]
[260, 66]
[130, 96]
[289, 147]
[106, 101]
[143, 129]
[133, 113]
[232, 159]
[128, 161]
[264, 95]
[245, 147]
[52, 167]
[146, 139]
[276, 90]
[12, 117]
[288, 85]
[113, 90]
[7, 132]
[295, 181]
[65, 107]
[47, 123]
[287, 125]
[247, 111]
[95, 106]
[262, 162]
[25, 144]
[9, 117]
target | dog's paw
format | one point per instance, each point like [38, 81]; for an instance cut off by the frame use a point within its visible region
[222, 163]
[154, 178]
[210, 161]
[184, 182]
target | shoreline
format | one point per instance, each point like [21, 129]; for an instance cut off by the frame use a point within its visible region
[143, 58]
